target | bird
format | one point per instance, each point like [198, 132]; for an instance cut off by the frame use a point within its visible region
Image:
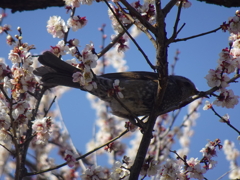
[139, 88]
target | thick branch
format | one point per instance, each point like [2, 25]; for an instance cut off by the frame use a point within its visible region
[169, 6]
[162, 67]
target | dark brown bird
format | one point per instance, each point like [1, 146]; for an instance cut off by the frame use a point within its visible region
[139, 88]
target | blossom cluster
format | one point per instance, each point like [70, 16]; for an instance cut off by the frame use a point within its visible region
[109, 127]
[146, 10]
[88, 60]
[116, 89]
[58, 28]
[19, 93]
[228, 62]
[76, 3]
[42, 129]
[232, 155]
[120, 170]
[184, 168]
[189, 121]
[17, 85]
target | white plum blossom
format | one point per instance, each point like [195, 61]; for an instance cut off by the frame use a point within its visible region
[236, 48]
[74, 42]
[117, 88]
[225, 118]
[59, 49]
[232, 153]
[4, 70]
[170, 170]
[150, 169]
[94, 172]
[22, 80]
[147, 10]
[227, 99]
[85, 79]
[5, 27]
[77, 76]
[116, 26]
[215, 78]
[72, 47]
[209, 150]
[88, 2]
[71, 61]
[76, 22]
[76, 3]
[4, 120]
[72, 3]
[207, 105]
[234, 24]
[226, 61]
[119, 171]
[194, 168]
[230, 150]
[89, 59]
[14, 57]
[70, 157]
[4, 135]
[57, 27]
[41, 128]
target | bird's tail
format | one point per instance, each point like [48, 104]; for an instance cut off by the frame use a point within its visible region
[55, 71]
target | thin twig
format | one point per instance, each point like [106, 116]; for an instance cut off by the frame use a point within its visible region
[81, 157]
[226, 173]
[4, 93]
[198, 35]
[200, 95]
[113, 42]
[46, 111]
[227, 122]
[173, 65]
[140, 26]
[102, 46]
[66, 34]
[175, 27]
[179, 157]
[182, 125]
[129, 35]
[140, 123]
[13, 154]
[133, 12]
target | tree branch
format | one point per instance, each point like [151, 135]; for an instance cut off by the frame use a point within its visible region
[81, 157]
[162, 67]
[198, 35]
[169, 6]
[140, 26]
[133, 12]
[113, 42]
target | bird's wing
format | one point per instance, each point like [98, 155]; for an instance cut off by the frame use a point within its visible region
[134, 75]
[56, 64]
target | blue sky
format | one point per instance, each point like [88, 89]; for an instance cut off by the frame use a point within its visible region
[196, 58]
